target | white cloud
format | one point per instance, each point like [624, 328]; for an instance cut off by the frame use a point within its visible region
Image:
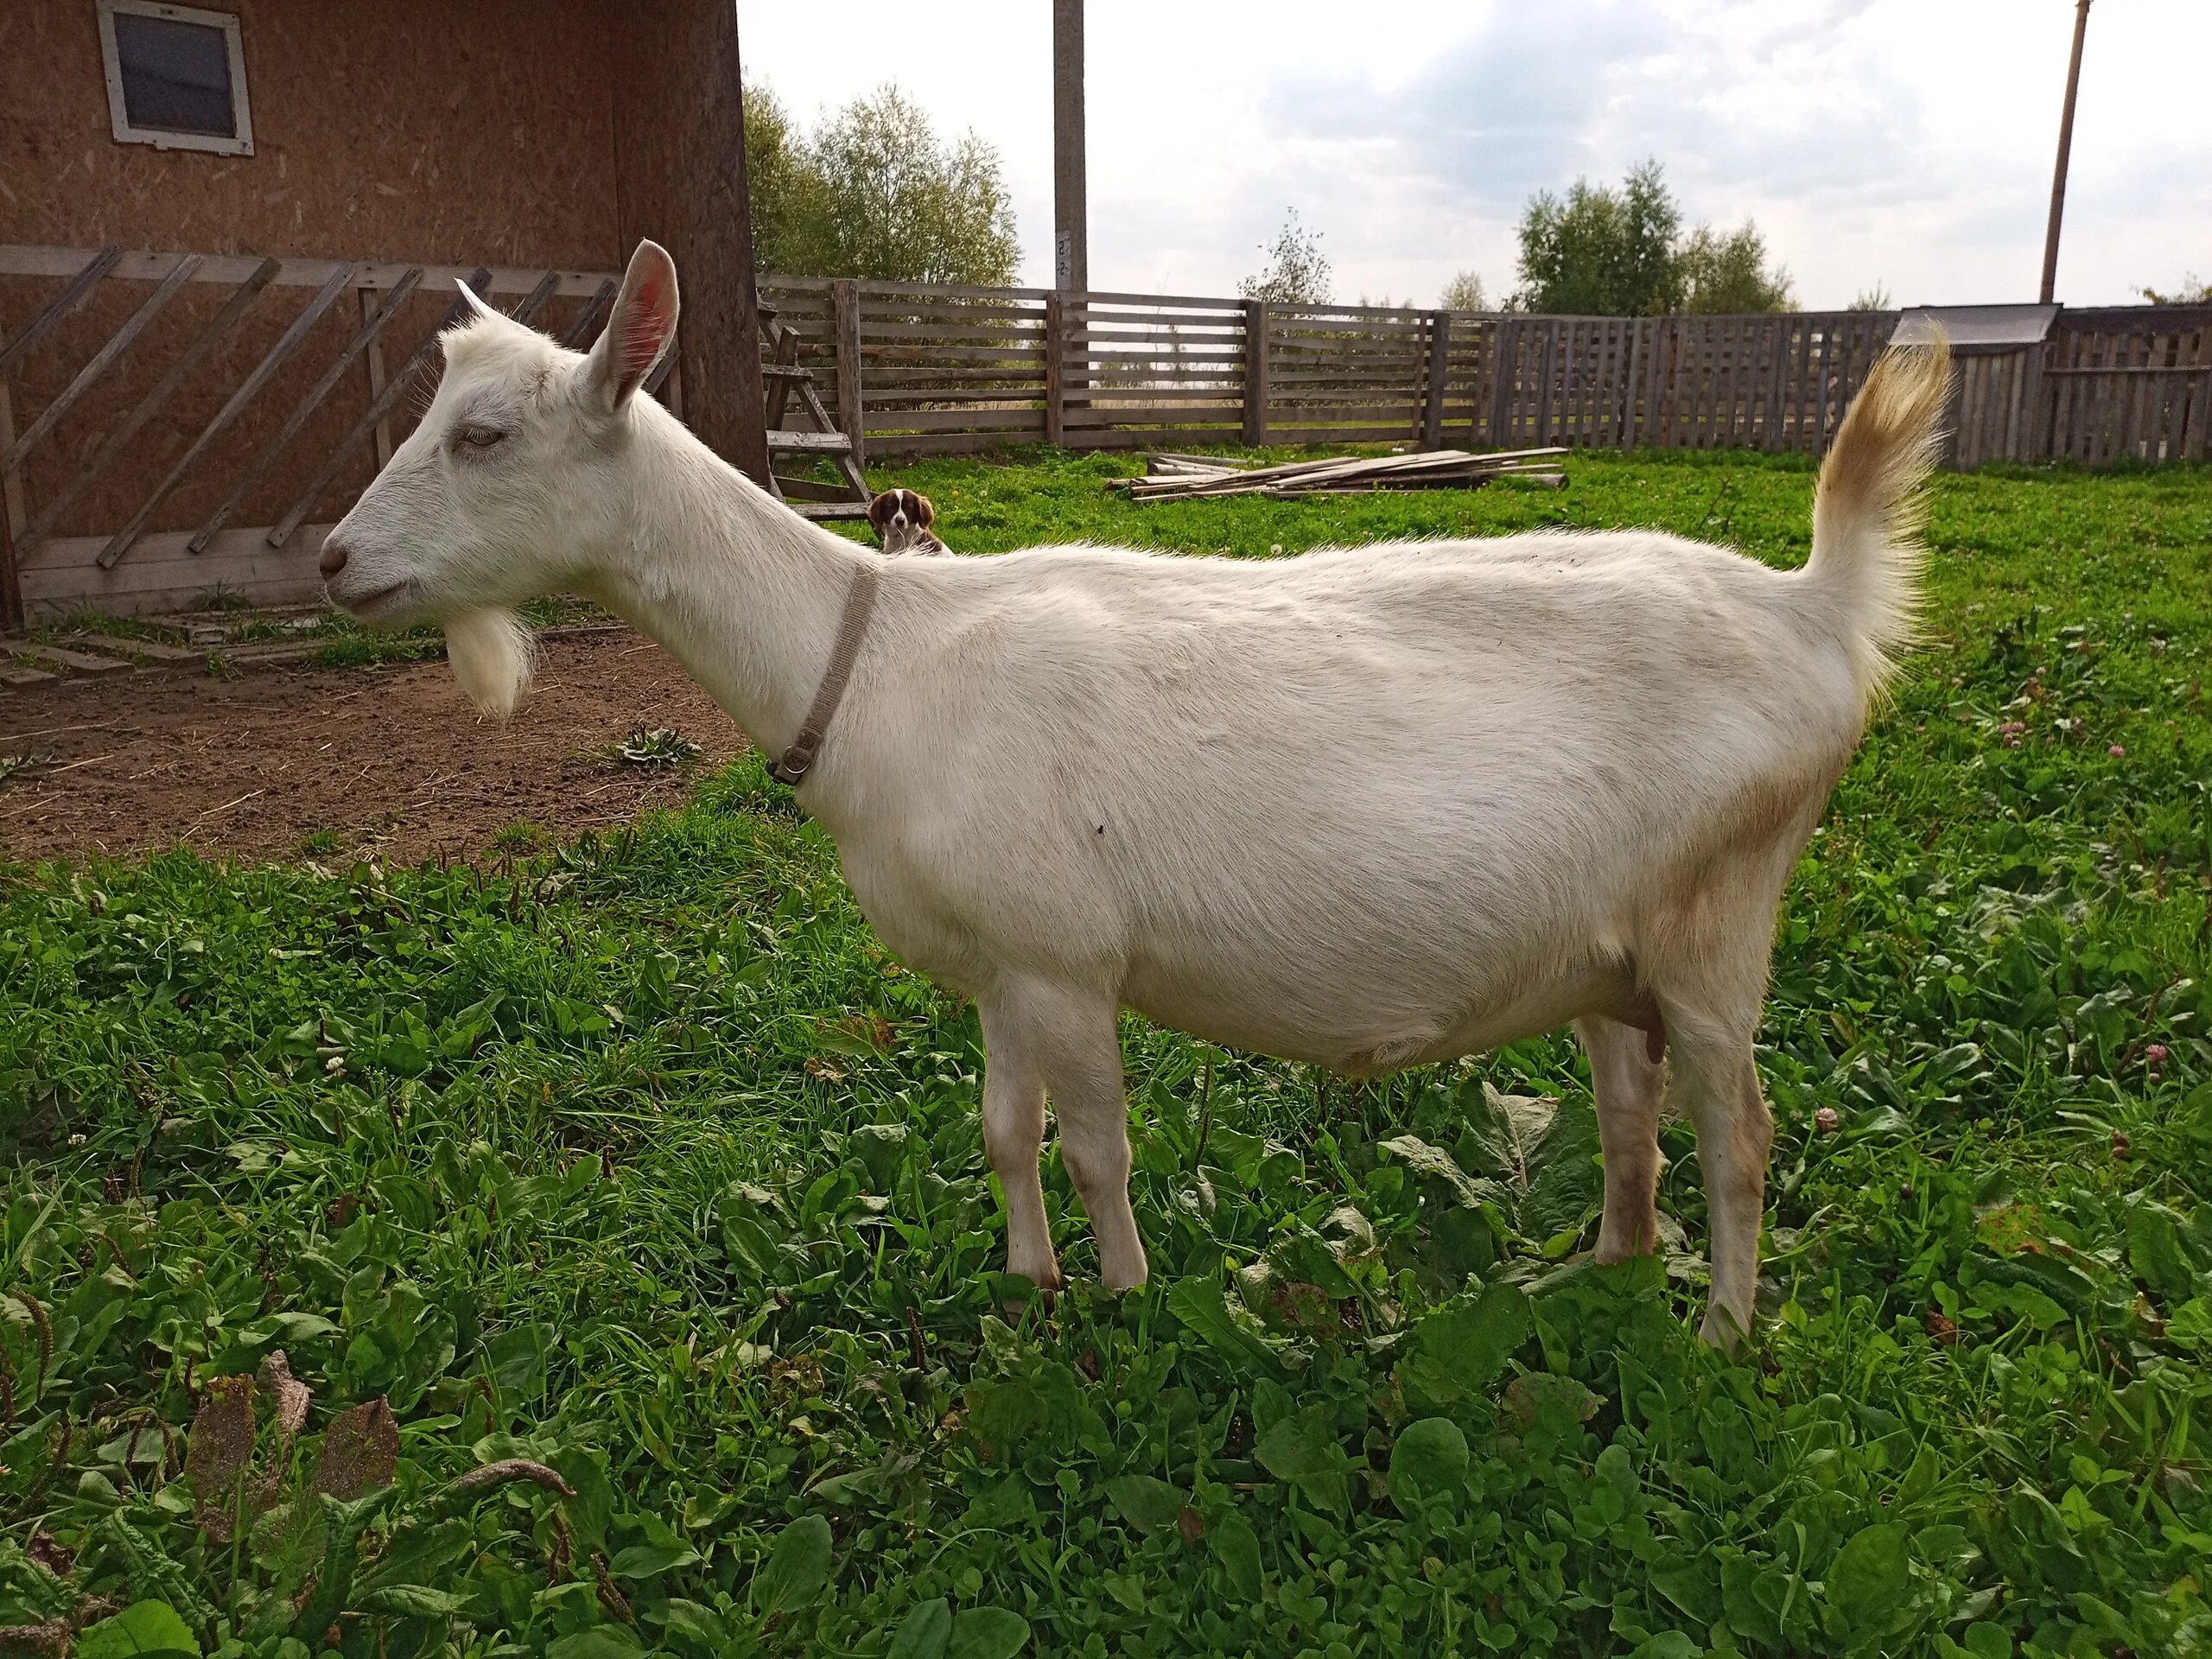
[1892, 141]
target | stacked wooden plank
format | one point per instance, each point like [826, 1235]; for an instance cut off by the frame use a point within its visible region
[1179, 478]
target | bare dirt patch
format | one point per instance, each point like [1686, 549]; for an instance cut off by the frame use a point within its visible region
[388, 760]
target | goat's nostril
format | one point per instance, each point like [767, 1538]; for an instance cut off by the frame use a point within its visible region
[334, 558]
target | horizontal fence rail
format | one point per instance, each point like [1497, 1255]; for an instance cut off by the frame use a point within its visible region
[175, 426]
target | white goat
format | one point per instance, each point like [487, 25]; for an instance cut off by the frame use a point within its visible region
[1370, 807]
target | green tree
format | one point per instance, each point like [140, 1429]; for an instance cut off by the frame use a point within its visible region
[874, 192]
[2194, 290]
[1602, 252]
[1464, 293]
[1876, 298]
[1725, 272]
[774, 180]
[1297, 272]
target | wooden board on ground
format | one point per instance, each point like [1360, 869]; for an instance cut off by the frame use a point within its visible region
[1181, 477]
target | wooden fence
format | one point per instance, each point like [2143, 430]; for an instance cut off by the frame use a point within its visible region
[2111, 384]
[949, 370]
[174, 426]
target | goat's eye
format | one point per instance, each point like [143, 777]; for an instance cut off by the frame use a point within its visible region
[479, 437]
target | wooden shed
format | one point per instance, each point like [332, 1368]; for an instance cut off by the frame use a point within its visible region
[229, 233]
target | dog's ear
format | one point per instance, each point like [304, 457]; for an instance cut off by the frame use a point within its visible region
[881, 508]
[925, 514]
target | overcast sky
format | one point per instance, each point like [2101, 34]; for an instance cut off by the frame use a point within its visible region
[1906, 142]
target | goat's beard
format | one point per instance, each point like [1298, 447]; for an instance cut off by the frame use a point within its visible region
[490, 652]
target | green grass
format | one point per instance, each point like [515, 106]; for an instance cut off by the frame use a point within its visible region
[644, 1163]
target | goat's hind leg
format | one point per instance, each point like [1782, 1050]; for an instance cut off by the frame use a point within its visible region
[1711, 1007]
[1719, 1087]
[1630, 1087]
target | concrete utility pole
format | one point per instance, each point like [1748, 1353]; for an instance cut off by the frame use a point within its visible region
[1071, 207]
[2065, 147]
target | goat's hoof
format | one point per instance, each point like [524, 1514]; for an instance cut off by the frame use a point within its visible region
[1722, 1330]
[1612, 1249]
[1121, 1273]
[1047, 1284]
[1041, 1305]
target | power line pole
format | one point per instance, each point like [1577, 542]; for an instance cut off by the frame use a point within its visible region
[2065, 147]
[1070, 208]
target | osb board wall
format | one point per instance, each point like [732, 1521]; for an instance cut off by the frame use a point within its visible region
[420, 130]
[682, 183]
[415, 130]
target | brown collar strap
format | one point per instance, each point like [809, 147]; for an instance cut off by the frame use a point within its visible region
[795, 762]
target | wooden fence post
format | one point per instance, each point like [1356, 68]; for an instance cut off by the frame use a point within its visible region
[1056, 369]
[11, 586]
[1439, 348]
[1255, 372]
[372, 364]
[1545, 355]
[1505, 344]
[2031, 438]
[845, 320]
[11, 516]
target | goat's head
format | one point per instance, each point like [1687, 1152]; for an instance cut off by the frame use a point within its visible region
[513, 486]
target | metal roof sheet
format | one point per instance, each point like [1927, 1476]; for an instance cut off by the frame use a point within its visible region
[1977, 329]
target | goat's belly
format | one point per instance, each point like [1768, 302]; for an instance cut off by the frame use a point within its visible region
[1365, 1027]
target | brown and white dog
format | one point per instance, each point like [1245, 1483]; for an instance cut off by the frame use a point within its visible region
[903, 520]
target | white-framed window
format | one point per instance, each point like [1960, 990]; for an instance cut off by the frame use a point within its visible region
[175, 77]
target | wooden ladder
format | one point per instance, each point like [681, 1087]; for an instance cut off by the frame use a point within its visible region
[785, 374]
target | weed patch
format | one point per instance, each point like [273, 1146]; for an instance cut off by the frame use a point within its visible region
[599, 1257]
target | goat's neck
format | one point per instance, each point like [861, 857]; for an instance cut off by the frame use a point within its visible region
[745, 593]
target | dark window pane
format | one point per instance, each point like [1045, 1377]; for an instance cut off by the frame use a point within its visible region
[176, 77]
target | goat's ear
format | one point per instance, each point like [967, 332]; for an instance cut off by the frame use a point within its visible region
[639, 330]
[477, 303]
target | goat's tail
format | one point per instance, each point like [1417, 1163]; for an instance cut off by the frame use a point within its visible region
[1869, 506]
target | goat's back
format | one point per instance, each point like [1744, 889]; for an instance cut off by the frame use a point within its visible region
[1419, 662]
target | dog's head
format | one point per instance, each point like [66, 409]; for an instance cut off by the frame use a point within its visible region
[902, 519]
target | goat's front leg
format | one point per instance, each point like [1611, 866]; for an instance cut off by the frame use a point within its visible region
[1014, 1132]
[1083, 1073]
[1071, 1038]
